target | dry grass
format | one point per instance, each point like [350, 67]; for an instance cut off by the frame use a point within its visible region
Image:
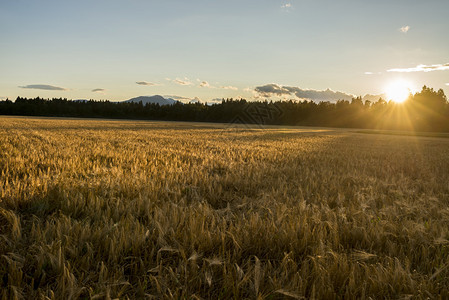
[117, 209]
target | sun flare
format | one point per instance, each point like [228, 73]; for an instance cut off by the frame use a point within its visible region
[398, 90]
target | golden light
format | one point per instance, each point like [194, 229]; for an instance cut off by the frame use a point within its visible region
[398, 90]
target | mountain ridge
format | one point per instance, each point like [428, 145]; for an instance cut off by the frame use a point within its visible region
[156, 99]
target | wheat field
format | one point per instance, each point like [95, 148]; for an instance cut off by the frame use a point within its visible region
[102, 209]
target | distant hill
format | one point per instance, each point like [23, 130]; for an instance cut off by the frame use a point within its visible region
[157, 99]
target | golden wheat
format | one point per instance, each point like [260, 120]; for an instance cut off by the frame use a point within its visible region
[132, 209]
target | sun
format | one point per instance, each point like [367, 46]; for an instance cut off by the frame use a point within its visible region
[398, 90]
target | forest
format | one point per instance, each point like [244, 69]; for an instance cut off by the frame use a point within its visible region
[427, 110]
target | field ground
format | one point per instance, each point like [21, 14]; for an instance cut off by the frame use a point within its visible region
[405, 133]
[135, 209]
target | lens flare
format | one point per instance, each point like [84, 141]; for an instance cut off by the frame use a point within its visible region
[398, 90]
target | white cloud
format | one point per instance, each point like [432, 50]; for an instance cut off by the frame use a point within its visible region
[204, 84]
[182, 98]
[179, 98]
[447, 83]
[404, 29]
[422, 68]
[145, 83]
[276, 90]
[281, 92]
[229, 87]
[184, 81]
[43, 87]
[369, 73]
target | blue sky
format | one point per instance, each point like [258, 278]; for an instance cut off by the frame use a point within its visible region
[119, 49]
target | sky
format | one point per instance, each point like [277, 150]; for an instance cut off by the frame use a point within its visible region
[207, 49]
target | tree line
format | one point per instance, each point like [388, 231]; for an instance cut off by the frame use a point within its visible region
[427, 110]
